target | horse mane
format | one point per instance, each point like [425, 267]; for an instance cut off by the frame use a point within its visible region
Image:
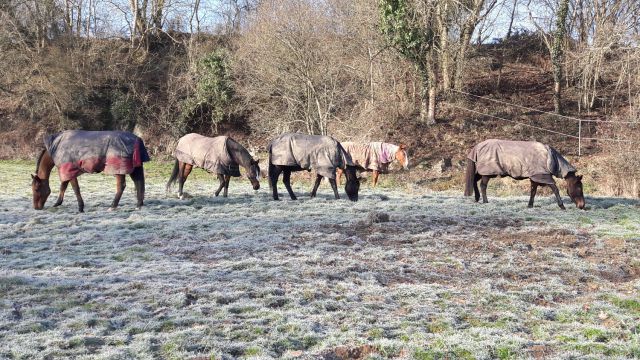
[245, 157]
[40, 159]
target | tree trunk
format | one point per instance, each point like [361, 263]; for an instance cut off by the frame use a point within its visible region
[557, 53]
[513, 14]
[445, 51]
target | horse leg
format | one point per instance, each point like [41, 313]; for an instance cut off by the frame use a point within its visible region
[334, 186]
[476, 191]
[274, 174]
[138, 181]
[374, 178]
[63, 188]
[184, 172]
[286, 179]
[221, 179]
[121, 184]
[316, 185]
[556, 192]
[534, 189]
[483, 187]
[227, 179]
[339, 175]
[76, 190]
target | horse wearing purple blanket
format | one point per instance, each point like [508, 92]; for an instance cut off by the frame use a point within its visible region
[76, 152]
[521, 160]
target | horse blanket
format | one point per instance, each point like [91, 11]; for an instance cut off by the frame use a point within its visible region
[211, 154]
[375, 156]
[75, 152]
[322, 153]
[519, 160]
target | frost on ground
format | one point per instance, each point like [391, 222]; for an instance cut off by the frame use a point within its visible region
[400, 274]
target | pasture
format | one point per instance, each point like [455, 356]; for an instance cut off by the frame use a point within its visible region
[248, 277]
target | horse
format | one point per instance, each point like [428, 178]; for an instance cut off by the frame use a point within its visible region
[219, 155]
[521, 160]
[375, 157]
[76, 152]
[296, 152]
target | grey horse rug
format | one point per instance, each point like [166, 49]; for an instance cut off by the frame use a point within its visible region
[75, 152]
[375, 156]
[208, 153]
[519, 160]
[321, 153]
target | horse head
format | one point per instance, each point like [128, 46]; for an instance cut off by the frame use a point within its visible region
[402, 156]
[41, 191]
[353, 183]
[254, 174]
[574, 189]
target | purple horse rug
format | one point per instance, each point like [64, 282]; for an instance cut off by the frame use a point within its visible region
[520, 160]
[75, 152]
[208, 153]
[321, 153]
[374, 156]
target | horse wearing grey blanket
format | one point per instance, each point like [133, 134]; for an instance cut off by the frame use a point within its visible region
[521, 160]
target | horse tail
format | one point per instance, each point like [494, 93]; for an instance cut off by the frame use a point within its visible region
[174, 175]
[470, 177]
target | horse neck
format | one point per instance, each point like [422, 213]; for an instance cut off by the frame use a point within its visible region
[45, 165]
[239, 154]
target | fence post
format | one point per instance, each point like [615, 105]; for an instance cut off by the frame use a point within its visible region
[580, 137]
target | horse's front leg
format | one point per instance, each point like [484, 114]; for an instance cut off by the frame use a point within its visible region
[286, 179]
[316, 185]
[221, 179]
[334, 186]
[63, 188]
[227, 179]
[274, 174]
[483, 186]
[121, 184]
[374, 178]
[534, 189]
[476, 191]
[138, 181]
[556, 192]
[76, 190]
[339, 175]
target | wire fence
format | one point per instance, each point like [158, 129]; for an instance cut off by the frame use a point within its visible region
[578, 137]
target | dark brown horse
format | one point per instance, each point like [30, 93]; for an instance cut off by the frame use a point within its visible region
[521, 160]
[296, 152]
[76, 152]
[220, 155]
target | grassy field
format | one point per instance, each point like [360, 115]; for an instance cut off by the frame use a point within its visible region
[246, 277]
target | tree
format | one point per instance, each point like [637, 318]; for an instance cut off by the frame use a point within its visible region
[409, 28]
[557, 53]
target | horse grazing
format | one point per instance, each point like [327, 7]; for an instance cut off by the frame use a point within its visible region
[521, 160]
[297, 152]
[219, 155]
[75, 152]
[375, 157]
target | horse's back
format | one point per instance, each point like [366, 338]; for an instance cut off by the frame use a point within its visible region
[209, 153]
[113, 152]
[517, 159]
[322, 153]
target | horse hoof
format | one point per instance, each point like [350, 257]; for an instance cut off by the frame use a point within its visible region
[111, 209]
[181, 197]
[138, 208]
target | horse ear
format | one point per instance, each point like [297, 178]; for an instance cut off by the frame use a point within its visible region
[403, 146]
[579, 177]
[34, 177]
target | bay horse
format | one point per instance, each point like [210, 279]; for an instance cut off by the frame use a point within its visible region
[521, 160]
[375, 157]
[219, 155]
[76, 152]
[296, 152]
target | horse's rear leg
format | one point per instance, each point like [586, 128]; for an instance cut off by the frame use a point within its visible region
[274, 174]
[221, 186]
[286, 179]
[121, 184]
[556, 192]
[316, 185]
[138, 181]
[476, 191]
[534, 189]
[184, 171]
[63, 188]
[483, 186]
[374, 178]
[76, 190]
[227, 179]
[334, 186]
